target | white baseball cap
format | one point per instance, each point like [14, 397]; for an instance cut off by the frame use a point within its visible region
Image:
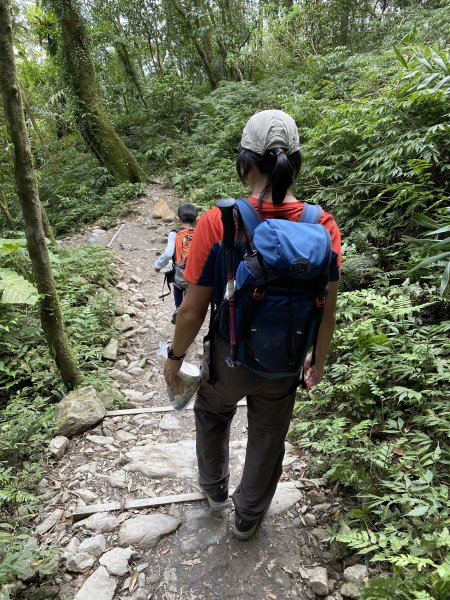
[270, 129]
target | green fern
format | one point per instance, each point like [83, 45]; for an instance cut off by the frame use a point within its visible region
[16, 289]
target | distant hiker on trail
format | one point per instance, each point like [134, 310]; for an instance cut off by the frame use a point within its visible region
[269, 264]
[177, 250]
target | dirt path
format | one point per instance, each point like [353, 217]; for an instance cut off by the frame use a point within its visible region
[174, 551]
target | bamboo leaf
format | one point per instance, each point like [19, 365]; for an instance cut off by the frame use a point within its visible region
[400, 57]
[445, 229]
[425, 221]
[441, 83]
[423, 61]
[431, 259]
[445, 279]
[439, 61]
[427, 81]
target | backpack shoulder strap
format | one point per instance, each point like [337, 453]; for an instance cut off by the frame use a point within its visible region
[249, 215]
[311, 213]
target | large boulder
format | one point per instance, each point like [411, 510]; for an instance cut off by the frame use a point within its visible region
[162, 211]
[79, 411]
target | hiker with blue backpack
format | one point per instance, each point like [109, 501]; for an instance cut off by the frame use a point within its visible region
[269, 267]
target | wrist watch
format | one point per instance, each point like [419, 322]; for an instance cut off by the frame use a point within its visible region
[172, 356]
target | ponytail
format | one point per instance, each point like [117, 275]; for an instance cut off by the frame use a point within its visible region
[280, 168]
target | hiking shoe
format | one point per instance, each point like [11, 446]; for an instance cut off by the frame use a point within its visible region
[173, 320]
[242, 530]
[218, 501]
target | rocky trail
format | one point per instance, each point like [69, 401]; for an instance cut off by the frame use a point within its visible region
[174, 550]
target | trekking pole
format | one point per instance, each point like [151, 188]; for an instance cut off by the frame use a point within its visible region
[226, 205]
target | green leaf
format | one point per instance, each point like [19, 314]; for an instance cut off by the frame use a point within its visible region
[16, 289]
[438, 60]
[441, 83]
[431, 259]
[445, 279]
[423, 61]
[12, 244]
[427, 81]
[425, 221]
[418, 511]
[400, 57]
[438, 231]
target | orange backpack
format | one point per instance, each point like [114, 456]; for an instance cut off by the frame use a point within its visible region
[183, 243]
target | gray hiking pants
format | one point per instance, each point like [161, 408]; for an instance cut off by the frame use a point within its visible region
[269, 410]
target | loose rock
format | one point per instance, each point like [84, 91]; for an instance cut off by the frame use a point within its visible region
[116, 560]
[351, 589]
[118, 479]
[162, 211]
[310, 520]
[123, 323]
[79, 562]
[315, 497]
[111, 350]
[95, 545]
[100, 585]
[79, 411]
[145, 531]
[58, 446]
[356, 574]
[99, 522]
[49, 522]
[318, 580]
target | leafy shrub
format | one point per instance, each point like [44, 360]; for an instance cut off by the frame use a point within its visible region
[19, 556]
[79, 205]
[29, 382]
[380, 423]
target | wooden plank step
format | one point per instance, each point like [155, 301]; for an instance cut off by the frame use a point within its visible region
[86, 511]
[152, 409]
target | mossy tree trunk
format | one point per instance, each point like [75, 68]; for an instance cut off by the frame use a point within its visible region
[90, 115]
[127, 63]
[48, 230]
[200, 47]
[51, 317]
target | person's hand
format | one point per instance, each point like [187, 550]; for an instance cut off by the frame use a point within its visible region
[313, 374]
[157, 270]
[171, 368]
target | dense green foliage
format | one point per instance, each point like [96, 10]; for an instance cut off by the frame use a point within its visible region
[30, 385]
[369, 86]
[380, 425]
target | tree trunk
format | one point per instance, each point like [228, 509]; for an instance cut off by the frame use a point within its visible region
[200, 51]
[5, 210]
[48, 230]
[90, 115]
[51, 316]
[128, 66]
[129, 70]
[36, 128]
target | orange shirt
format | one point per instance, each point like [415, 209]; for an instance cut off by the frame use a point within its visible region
[201, 266]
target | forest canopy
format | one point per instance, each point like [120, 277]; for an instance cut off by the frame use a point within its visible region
[119, 93]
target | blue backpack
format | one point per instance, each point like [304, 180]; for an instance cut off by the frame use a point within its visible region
[281, 287]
